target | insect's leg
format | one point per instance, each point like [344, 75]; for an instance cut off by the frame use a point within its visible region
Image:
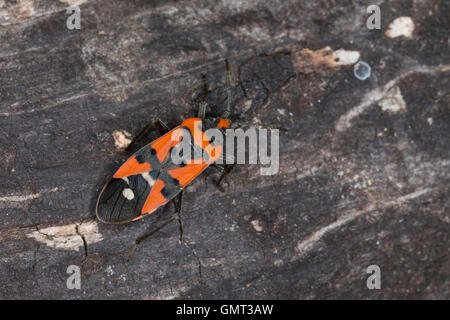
[177, 201]
[219, 167]
[147, 235]
[227, 164]
[227, 112]
[162, 127]
[226, 170]
[203, 104]
[205, 87]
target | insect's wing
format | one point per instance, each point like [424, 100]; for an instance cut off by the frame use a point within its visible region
[129, 198]
[129, 191]
[151, 157]
[170, 183]
[121, 200]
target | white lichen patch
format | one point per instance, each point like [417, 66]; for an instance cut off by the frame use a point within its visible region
[19, 11]
[68, 237]
[122, 139]
[343, 57]
[25, 8]
[14, 11]
[393, 101]
[401, 27]
[90, 232]
[26, 197]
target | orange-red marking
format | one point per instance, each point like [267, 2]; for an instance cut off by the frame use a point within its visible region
[132, 167]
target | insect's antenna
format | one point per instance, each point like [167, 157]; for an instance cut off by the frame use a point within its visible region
[202, 109]
[239, 124]
[205, 87]
[203, 104]
[227, 113]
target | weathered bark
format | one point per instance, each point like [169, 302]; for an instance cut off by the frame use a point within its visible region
[364, 165]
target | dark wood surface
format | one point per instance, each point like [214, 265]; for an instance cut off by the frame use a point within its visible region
[358, 185]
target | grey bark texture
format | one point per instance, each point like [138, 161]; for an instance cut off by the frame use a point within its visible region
[364, 166]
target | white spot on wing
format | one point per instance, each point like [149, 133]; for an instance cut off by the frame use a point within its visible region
[148, 178]
[128, 193]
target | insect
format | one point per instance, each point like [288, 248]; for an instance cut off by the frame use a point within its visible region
[150, 178]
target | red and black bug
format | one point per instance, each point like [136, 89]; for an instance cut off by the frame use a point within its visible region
[150, 178]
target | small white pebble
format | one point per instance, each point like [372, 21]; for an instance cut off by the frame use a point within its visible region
[393, 101]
